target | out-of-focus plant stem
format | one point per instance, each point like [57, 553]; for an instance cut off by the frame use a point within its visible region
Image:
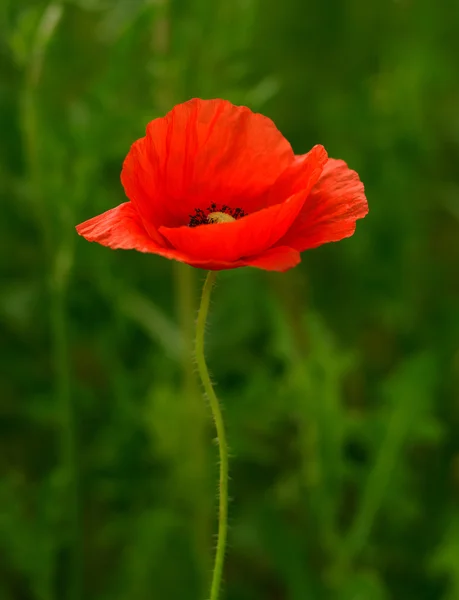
[58, 259]
[29, 117]
[184, 288]
[69, 426]
[374, 490]
[184, 277]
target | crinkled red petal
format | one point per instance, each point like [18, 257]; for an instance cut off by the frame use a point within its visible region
[119, 227]
[254, 233]
[203, 151]
[296, 177]
[331, 210]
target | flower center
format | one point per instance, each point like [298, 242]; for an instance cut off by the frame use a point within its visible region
[215, 214]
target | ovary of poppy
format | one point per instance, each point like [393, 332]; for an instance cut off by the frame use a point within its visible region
[218, 187]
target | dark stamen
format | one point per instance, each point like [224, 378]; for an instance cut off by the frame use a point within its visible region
[200, 216]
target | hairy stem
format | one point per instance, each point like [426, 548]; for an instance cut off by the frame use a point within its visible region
[220, 427]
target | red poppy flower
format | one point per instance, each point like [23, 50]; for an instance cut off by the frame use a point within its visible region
[217, 186]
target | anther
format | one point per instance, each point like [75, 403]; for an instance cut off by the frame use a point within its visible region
[213, 214]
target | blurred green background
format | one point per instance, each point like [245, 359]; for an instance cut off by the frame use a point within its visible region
[339, 379]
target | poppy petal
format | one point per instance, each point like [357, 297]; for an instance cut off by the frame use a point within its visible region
[121, 227]
[203, 151]
[331, 210]
[295, 177]
[252, 234]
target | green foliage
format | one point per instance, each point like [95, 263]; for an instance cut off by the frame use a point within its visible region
[338, 379]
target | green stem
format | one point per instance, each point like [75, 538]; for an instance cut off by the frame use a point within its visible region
[220, 427]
